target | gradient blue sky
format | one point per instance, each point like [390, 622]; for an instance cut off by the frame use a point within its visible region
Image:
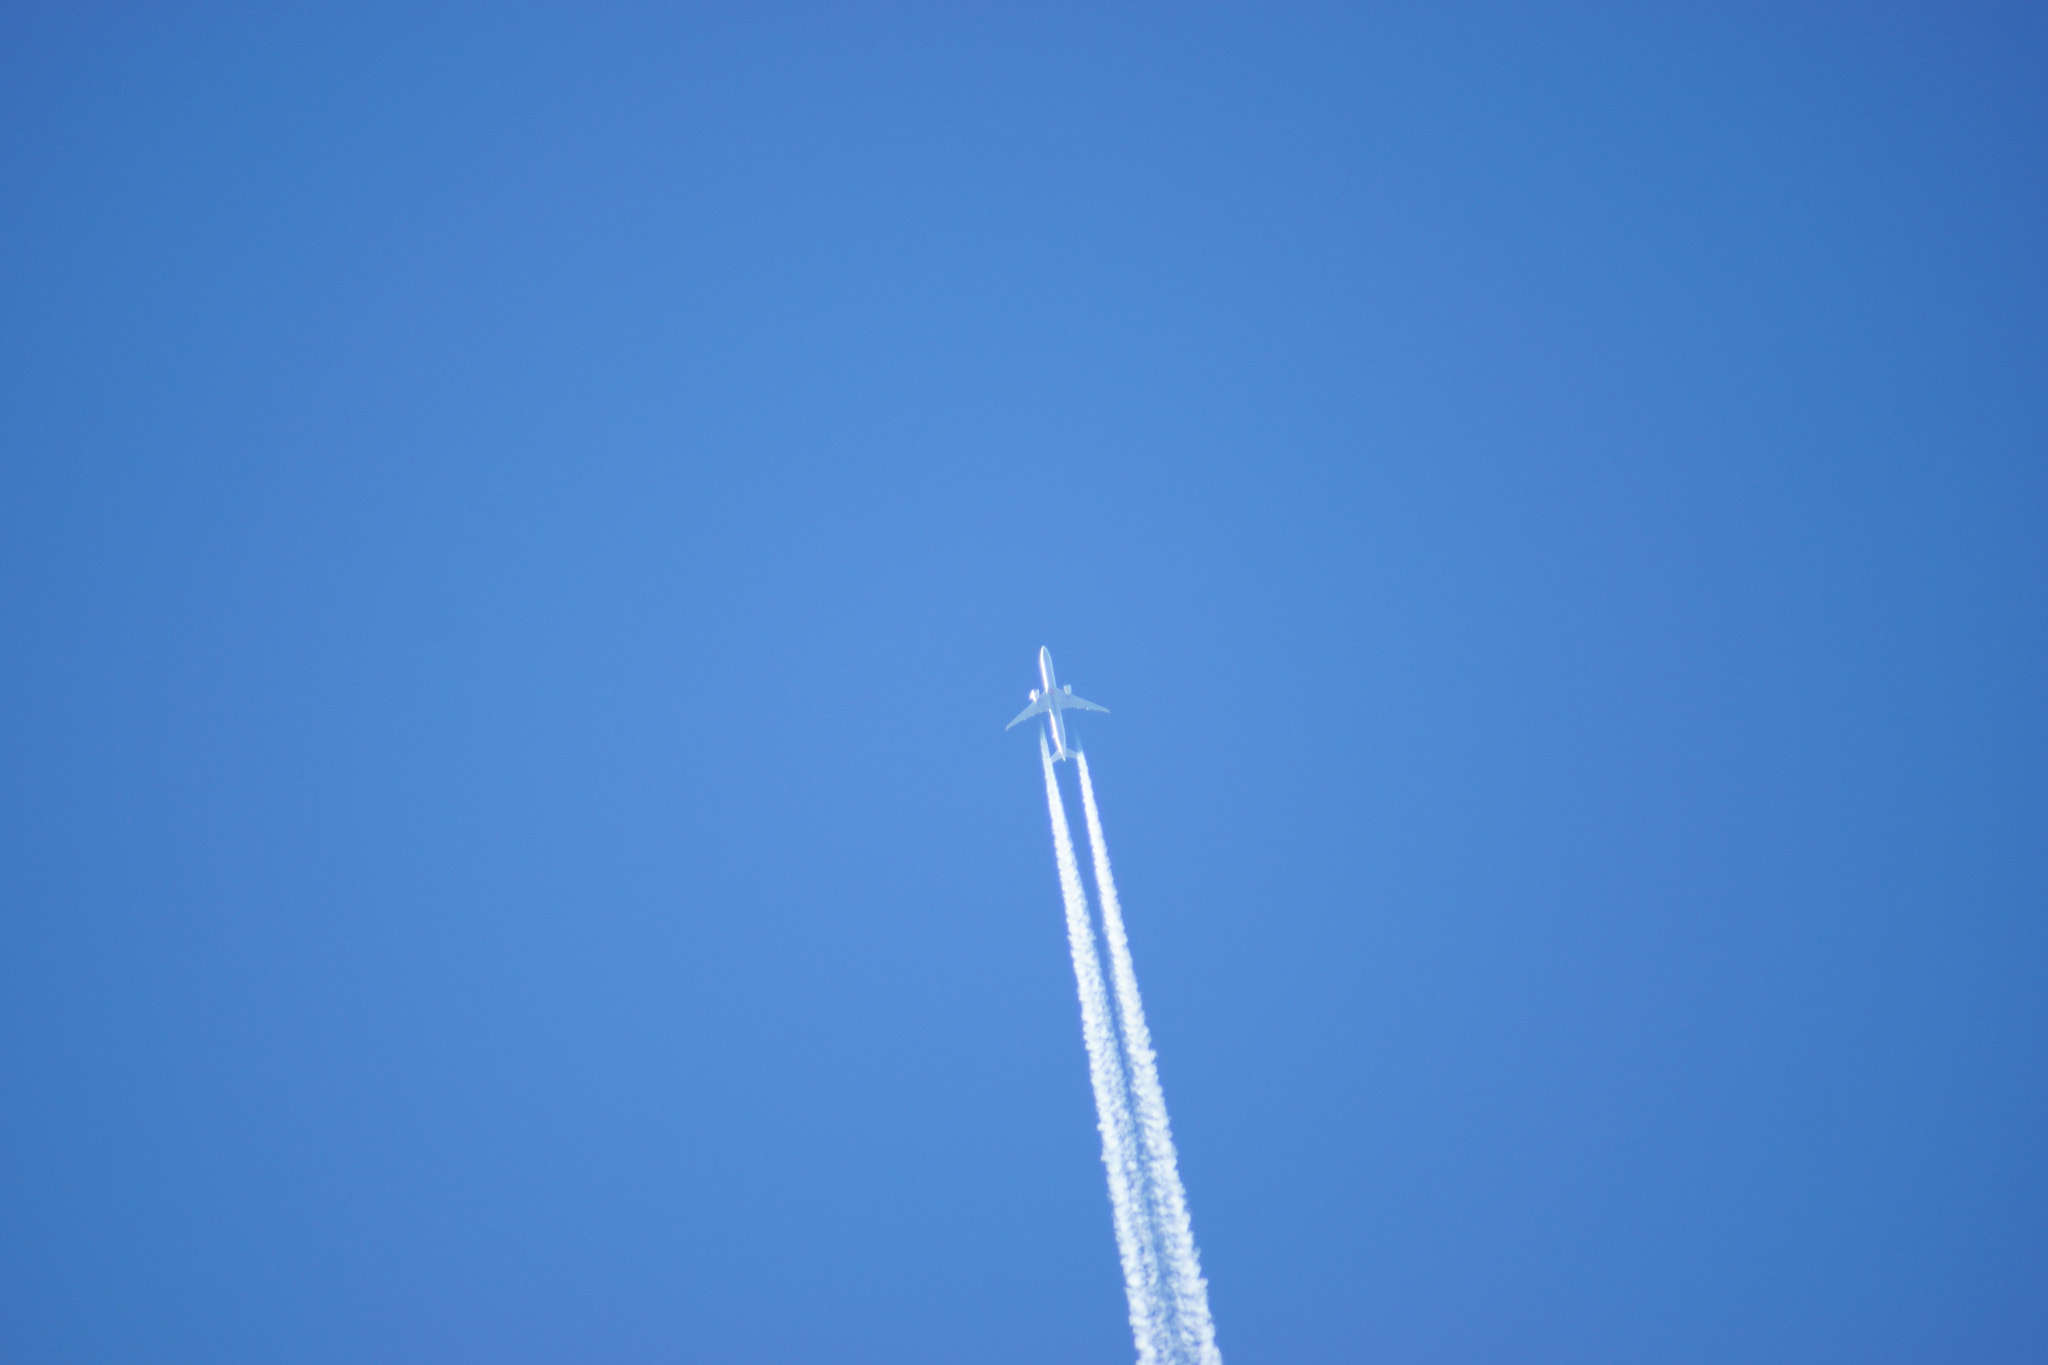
[522, 526]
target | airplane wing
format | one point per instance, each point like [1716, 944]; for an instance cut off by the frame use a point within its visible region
[1069, 700]
[1042, 704]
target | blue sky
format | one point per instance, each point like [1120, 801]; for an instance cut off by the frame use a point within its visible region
[522, 528]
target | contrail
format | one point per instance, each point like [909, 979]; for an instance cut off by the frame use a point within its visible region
[1190, 1331]
[1120, 1155]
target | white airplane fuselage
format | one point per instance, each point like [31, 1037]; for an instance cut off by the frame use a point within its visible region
[1054, 722]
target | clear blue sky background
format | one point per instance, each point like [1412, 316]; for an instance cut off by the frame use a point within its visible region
[521, 529]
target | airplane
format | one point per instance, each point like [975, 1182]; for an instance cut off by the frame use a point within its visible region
[1053, 699]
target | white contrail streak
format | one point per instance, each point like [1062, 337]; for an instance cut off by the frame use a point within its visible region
[1120, 1154]
[1190, 1331]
